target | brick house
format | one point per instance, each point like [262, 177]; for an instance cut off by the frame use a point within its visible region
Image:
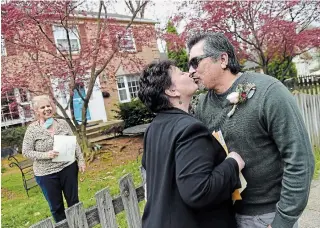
[111, 88]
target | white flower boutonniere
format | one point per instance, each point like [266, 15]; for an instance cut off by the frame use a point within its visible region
[243, 92]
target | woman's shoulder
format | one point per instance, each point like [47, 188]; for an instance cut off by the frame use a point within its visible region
[33, 125]
[33, 128]
[61, 121]
[188, 121]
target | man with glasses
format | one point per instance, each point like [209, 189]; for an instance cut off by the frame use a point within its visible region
[260, 120]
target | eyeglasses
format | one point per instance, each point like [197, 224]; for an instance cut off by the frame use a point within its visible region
[194, 62]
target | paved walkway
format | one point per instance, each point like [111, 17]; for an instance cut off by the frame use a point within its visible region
[311, 216]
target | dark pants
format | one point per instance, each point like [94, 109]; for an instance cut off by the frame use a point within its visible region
[53, 185]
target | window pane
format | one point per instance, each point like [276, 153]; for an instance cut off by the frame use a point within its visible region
[64, 46]
[14, 111]
[27, 111]
[23, 95]
[120, 79]
[3, 48]
[5, 109]
[120, 83]
[4, 101]
[133, 86]
[10, 93]
[7, 116]
[73, 33]
[60, 35]
[126, 42]
[123, 95]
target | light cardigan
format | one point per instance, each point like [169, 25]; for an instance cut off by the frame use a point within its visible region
[38, 142]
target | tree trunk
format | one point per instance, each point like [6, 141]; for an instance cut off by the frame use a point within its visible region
[83, 141]
[265, 68]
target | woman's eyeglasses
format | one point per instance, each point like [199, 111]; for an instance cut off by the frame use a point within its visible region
[194, 62]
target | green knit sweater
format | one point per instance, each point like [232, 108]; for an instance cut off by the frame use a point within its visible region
[268, 132]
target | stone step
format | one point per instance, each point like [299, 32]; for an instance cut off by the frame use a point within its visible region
[94, 134]
[93, 123]
[98, 133]
[104, 126]
[100, 138]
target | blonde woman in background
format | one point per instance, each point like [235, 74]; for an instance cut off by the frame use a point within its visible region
[54, 178]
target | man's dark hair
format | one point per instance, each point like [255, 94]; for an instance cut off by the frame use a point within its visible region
[215, 44]
[154, 80]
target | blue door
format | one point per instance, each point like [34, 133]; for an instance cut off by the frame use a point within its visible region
[78, 103]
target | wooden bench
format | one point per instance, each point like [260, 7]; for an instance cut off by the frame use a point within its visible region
[26, 170]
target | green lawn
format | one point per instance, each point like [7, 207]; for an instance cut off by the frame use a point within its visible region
[317, 163]
[17, 210]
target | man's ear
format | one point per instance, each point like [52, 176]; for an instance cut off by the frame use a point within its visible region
[172, 92]
[224, 61]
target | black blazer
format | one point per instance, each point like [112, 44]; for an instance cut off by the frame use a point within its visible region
[189, 182]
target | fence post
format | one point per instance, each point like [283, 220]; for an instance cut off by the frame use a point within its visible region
[310, 109]
[130, 201]
[144, 181]
[105, 208]
[47, 223]
[76, 216]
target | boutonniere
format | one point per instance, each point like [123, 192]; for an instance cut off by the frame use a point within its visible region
[243, 92]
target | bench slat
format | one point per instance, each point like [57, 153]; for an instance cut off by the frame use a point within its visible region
[25, 164]
[31, 183]
[26, 169]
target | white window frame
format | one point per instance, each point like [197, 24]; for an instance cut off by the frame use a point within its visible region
[25, 103]
[55, 27]
[128, 36]
[126, 87]
[21, 111]
[3, 47]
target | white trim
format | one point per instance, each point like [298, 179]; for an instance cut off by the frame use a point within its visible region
[117, 17]
[126, 87]
[21, 112]
[3, 46]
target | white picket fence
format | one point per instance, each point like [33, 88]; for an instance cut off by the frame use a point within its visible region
[310, 108]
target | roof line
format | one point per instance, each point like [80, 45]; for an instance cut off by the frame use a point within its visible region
[118, 17]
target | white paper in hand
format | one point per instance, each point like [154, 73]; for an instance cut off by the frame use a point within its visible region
[66, 146]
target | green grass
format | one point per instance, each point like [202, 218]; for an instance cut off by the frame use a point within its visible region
[17, 210]
[317, 163]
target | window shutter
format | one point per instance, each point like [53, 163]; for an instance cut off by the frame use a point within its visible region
[10, 48]
[138, 43]
[83, 36]
[51, 46]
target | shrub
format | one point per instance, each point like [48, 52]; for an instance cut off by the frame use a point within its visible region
[3, 169]
[134, 113]
[13, 136]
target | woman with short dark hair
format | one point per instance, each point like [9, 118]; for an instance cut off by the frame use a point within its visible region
[189, 181]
